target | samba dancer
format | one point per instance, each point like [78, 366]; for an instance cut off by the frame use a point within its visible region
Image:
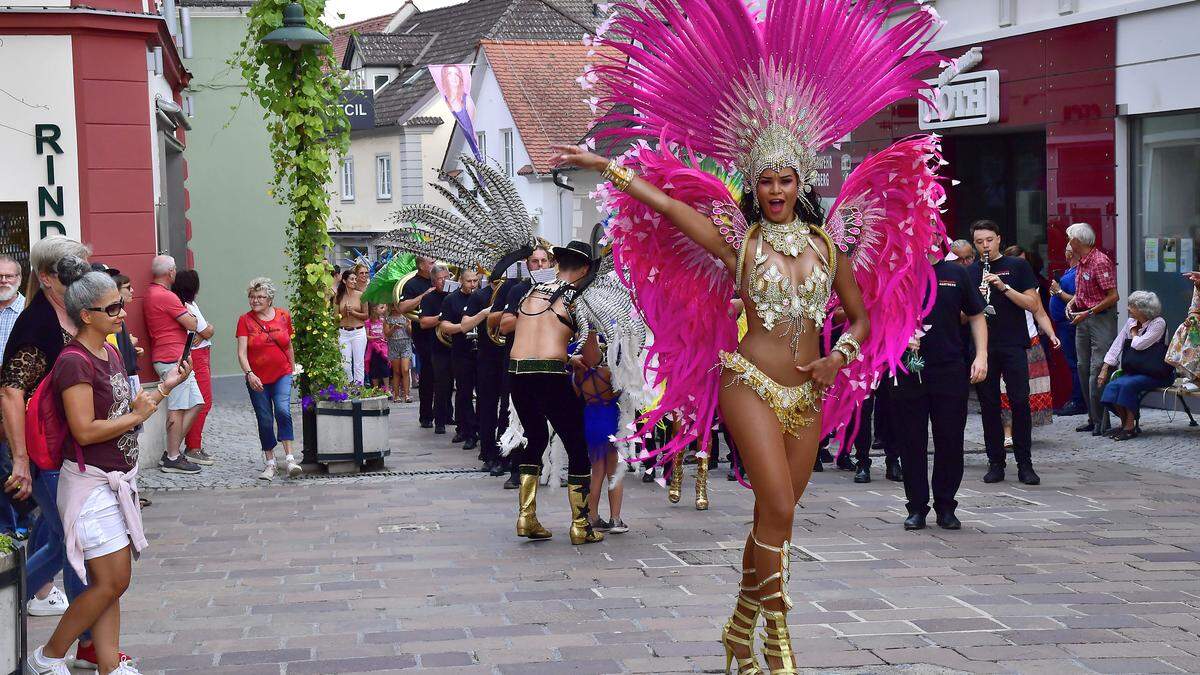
[765, 98]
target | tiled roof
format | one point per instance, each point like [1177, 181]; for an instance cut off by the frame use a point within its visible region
[458, 30]
[424, 122]
[341, 34]
[538, 80]
[387, 49]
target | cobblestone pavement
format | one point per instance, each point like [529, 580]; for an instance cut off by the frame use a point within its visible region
[1096, 570]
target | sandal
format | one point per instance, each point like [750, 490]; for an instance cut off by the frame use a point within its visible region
[1124, 435]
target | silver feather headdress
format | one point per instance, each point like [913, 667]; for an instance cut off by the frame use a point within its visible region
[488, 221]
[607, 308]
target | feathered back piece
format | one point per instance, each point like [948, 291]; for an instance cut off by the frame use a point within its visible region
[488, 222]
[767, 95]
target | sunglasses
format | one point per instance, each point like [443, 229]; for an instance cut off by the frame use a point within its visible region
[114, 310]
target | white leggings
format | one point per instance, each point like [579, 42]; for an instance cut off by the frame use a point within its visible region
[353, 345]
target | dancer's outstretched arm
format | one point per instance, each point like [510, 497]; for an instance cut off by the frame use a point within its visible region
[691, 222]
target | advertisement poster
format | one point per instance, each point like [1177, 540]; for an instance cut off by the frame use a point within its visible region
[1187, 257]
[1150, 254]
[1170, 255]
[454, 83]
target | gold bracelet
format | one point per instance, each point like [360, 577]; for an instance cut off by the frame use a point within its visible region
[849, 347]
[621, 177]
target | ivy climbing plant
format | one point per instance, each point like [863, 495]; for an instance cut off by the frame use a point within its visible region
[299, 92]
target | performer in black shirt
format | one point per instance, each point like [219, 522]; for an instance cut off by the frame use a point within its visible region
[490, 366]
[411, 295]
[1010, 289]
[439, 374]
[936, 393]
[460, 327]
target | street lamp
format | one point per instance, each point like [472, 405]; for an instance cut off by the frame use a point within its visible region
[295, 32]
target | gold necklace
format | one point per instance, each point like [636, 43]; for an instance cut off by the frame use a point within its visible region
[790, 239]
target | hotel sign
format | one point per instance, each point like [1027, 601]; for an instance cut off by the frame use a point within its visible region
[359, 105]
[968, 100]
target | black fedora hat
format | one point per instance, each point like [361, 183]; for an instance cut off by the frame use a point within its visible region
[579, 250]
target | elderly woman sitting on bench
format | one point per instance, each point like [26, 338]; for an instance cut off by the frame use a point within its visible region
[1137, 355]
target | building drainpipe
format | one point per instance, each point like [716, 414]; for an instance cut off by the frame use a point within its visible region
[556, 175]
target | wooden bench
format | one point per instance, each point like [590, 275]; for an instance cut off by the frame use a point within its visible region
[1181, 395]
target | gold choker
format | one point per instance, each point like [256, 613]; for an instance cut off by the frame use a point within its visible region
[790, 239]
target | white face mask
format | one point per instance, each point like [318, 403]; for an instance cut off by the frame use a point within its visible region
[544, 276]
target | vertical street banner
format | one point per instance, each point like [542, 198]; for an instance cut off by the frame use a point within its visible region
[454, 83]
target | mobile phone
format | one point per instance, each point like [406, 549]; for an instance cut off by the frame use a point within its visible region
[187, 347]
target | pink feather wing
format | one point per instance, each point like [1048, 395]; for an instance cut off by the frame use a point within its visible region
[886, 220]
[681, 290]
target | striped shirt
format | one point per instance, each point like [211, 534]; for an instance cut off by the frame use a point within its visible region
[8, 317]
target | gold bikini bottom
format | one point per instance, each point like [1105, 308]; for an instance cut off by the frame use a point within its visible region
[792, 405]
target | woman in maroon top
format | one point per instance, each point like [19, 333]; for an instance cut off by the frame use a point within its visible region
[264, 336]
[98, 505]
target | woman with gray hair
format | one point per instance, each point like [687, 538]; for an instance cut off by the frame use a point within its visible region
[97, 490]
[264, 337]
[1139, 352]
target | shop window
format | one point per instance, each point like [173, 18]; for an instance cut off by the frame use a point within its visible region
[14, 233]
[1165, 195]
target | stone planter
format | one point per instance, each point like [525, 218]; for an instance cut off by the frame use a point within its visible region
[353, 435]
[12, 612]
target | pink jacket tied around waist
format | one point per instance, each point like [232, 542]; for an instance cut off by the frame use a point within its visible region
[74, 487]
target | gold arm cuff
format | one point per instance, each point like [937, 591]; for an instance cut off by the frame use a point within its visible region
[621, 177]
[849, 347]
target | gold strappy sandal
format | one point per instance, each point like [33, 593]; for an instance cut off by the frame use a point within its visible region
[734, 634]
[777, 642]
[675, 488]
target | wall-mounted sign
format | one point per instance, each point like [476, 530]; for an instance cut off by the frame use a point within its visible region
[968, 100]
[359, 105]
[50, 201]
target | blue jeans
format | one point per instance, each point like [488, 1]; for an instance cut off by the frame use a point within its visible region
[273, 410]
[10, 520]
[1066, 333]
[1128, 389]
[49, 547]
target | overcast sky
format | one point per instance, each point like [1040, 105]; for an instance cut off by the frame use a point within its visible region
[357, 10]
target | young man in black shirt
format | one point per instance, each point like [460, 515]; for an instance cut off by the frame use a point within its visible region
[491, 399]
[411, 295]
[460, 327]
[437, 374]
[937, 395]
[1010, 289]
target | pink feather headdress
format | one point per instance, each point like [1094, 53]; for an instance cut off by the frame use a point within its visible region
[760, 95]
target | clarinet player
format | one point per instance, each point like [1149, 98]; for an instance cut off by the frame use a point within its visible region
[1009, 289]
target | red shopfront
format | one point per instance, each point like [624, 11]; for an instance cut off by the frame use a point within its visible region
[1049, 159]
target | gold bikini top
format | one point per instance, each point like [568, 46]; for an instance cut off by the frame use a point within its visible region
[777, 300]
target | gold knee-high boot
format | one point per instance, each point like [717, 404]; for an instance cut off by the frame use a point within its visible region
[527, 522]
[777, 642]
[675, 487]
[581, 525]
[701, 483]
[746, 610]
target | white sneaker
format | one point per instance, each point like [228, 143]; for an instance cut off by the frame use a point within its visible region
[39, 664]
[125, 668]
[294, 470]
[54, 604]
[268, 473]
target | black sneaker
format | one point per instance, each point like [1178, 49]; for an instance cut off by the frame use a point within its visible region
[863, 475]
[426, 425]
[995, 474]
[1028, 476]
[471, 444]
[602, 525]
[513, 482]
[844, 462]
[439, 429]
[894, 472]
[458, 438]
[1085, 427]
[949, 521]
[498, 469]
[824, 455]
[178, 465]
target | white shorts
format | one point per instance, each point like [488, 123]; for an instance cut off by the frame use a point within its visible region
[186, 395]
[101, 527]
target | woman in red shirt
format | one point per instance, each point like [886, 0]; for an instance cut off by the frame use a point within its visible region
[264, 336]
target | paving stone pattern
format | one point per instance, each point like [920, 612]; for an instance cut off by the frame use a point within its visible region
[1096, 570]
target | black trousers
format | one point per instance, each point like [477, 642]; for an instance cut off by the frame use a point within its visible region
[464, 366]
[428, 380]
[548, 397]
[874, 418]
[937, 398]
[1011, 364]
[443, 386]
[488, 384]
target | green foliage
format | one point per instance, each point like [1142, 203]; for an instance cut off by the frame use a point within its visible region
[299, 92]
[7, 545]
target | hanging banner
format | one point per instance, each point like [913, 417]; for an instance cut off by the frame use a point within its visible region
[454, 83]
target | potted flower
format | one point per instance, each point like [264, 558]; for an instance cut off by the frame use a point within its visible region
[12, 606]
[352, 427]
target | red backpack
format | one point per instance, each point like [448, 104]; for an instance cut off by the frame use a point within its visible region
[46, 431]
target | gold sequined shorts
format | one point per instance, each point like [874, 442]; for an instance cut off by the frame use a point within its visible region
[792, 405]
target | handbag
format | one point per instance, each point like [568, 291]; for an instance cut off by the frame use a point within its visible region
[1149, 361]
[1183, 353]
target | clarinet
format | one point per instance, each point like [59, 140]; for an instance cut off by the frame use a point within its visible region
[986, 288]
